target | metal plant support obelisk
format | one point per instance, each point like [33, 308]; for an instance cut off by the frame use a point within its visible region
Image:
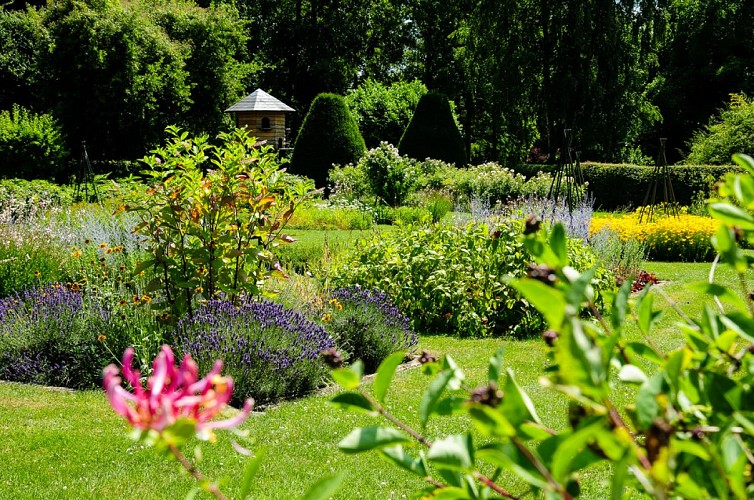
[568, 177]
[85, 178]
[660, 175]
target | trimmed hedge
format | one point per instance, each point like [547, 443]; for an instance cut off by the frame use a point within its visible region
[329, 135]
[620, 186]
[433, 133]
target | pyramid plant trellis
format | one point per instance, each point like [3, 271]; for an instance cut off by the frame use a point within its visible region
[660, 177]
[568, 177]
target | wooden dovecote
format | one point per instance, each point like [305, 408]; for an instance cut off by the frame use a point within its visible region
[264, 116]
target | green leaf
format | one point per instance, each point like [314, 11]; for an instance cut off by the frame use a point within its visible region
[396, 455]
[644, 352]
[324, 488]
[251, 469]
[741, 324]
[632, 374]
[731, 215]
[647, 407]
[385, 374]
[495, 367]
[744, 161]
[449, 493]
[647, 317]
[490, 422]
[517, 405]
[432, 395]
[369, 438]
[620, 305]
[548, 300]
[453, 452]
[349, 378]
[724, 293]
[558, 244]
[620, 473]
[353, 401]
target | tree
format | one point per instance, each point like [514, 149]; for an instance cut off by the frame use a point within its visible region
[433, 133]
[23, 40]
[706, 57]
[329, 135]
[730, 131]
[383, 112]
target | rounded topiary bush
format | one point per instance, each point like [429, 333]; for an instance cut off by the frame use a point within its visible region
[270, 351]
[329, 135]
[433, 133]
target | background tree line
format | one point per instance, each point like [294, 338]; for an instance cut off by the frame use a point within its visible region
[619, 73]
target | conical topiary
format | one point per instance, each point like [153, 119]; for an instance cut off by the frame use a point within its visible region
[328, 135]
[432, 132]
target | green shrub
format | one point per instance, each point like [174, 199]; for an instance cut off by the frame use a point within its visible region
[392, 177]
[622, 258]
[349, 182]
[22, 199]
[449, 279]
[366, 325]
[28, 258]
[731, 131]
[433, 133]
[383, 112]
[329, 135]
[31, 145]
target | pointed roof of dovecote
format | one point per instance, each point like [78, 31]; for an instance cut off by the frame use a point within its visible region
[259, 100]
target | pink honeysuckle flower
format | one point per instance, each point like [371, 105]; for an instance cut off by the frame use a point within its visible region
[172, 392]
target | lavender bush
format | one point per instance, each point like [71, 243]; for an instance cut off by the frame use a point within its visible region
[56, 336]
[366, 325]
[271, 352]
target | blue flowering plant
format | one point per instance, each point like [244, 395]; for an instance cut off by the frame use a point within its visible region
[55, 336]
[270, 351]
[366, 325]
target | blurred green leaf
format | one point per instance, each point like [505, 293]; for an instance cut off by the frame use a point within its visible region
[432, 395]
[517, 405]
[724, 293]
[632, 374]
[495, 367]
[324, 488]
[385, 374]
[353, 401]
[251, 469]
[369, 438]
[548, 300]
[453, 452]
[396, 455]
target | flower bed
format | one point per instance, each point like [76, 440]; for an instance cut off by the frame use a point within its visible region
[685, 238]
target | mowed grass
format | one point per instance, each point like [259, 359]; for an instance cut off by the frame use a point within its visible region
[61, 444]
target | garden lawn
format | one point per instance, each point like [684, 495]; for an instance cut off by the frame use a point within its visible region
[61, 444]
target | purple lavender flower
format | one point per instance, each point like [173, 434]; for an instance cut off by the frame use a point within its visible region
[270, 351]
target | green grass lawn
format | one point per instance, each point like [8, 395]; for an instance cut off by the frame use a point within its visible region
[61, 444]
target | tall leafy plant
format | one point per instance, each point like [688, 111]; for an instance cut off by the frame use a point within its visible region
[688, 434]
[213, 216]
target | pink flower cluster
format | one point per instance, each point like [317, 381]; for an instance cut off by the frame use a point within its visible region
[172, 392]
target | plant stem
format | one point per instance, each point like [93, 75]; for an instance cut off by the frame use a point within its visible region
[211, 487]
[383, 411]
[540, 468]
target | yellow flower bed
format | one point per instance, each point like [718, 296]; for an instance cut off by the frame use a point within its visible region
[684, 238]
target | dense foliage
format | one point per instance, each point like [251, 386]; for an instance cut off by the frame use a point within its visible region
[451, 279]
[31, 145]
[212, 217]
[731, 131]
[329, 135]
[383, 112]
[687, 433]
[432, 132]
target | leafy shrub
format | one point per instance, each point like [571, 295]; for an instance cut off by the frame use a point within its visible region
[488, 183]
[437, 203]
[28, 258]
[432, 132]
[31, 145]
[383, 112]
[22, 199]
[411, 215]
[392, 177]
[366, 325]
[328, 135]
[349, 182]
[325, 217]
[56, 336]
[449, 279]
[689, 413]
[622, 257]
[677, 239]
[214, 232]
[731, 131]
[271, 352]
